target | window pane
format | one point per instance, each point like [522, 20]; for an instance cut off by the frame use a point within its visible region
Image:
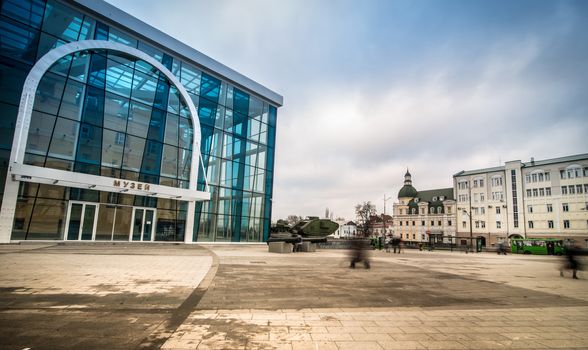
[171, 129]
[133, 154]
[139, 118]
[63, 143]
[40, 131]
[144, 88]
[119, 77]
[62, 21]
[71, 104]
[169, 164]
[49, 93]
[18, 41]
[29, 12]
[116, 111]
[113, 147]
[186, 133]
[185, 160]
[191, 78]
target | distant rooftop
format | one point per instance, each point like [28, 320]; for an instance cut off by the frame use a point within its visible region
[525, 164]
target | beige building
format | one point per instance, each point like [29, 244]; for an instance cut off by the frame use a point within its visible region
[546, 198]
[424, 216]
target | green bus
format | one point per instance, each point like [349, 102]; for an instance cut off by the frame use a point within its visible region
[537, 246]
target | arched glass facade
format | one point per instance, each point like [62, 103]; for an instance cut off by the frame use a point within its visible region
[104, 113]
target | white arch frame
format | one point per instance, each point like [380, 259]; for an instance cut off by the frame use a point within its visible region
[18, 171]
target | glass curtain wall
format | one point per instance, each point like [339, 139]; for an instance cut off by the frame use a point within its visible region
[107, 114]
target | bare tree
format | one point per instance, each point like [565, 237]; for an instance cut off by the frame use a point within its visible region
[293, 219]
[364, 212]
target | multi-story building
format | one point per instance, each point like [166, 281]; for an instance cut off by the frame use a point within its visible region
[111, 130]
[424, 216]
[547, 198]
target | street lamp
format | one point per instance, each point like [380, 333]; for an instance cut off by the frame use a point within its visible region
[384, 218]
[471, 233]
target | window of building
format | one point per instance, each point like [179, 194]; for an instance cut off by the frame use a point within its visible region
[481, 182]
[541, 192]
[413, 223]
[422, 237]
[413, 236]
[423, 223]
[406, 223]
[528, 193]
[434, 199]
[477, 223]
[462, 185]
[413, 211]
[497, 210]
[483, 224]
[548, 191]
[475, 183]
[498, 224]
[549, 208]
[432, 223]
[529, 208]
[431, 210]
[562, 174]
[540, 177]
[534, 177]
[482, 210]
[439, 223]
[535, 193]
[571, 189]
[497, 181]
[476, 210]
[550, 223]
[528, 178]
[565, 207]
[547, 176]
[463, 224]
[476, 197]
[448, 222]
[566, 223]
[579, 189]
[530, 224]
[482, 197]
[441, 198]
[585, 171]
[448, 210]
[399, 223]
[401, 211]
[439, 210]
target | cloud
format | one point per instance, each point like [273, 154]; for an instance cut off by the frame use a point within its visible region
[371, 88]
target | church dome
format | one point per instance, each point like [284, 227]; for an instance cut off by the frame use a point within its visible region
[407, 190]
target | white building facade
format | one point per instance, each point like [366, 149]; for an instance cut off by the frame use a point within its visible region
[536, 199]
[424, 216]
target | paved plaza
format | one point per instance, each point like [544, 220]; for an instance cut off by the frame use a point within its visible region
[151, 296]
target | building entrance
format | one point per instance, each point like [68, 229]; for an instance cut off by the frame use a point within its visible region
[87, 221]
[81, 221]
[143, 225]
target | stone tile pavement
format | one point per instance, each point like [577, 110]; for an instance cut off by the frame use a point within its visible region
[149, 296]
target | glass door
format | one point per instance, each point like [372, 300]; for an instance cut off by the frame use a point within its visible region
[143, 225]
[81, 221]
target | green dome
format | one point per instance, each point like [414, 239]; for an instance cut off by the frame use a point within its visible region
[407, 191]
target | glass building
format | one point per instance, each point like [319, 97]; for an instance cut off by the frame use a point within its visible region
[110, 130]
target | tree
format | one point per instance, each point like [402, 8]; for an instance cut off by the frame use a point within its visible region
[364, 212]
[293, 219]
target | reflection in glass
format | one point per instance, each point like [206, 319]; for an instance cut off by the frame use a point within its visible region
[40, 131]
[122, 224]
[49, 93]
[112, 149]
[75, 221]
[71, 104]
[63, 143]
[116, 112]
[139, 118]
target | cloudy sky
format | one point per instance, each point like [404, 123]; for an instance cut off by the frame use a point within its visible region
[374, 87]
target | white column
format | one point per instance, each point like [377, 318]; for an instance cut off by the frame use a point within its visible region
[189, 230]
[8, 208]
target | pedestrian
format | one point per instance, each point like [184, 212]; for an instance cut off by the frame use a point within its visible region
[571, 261]
[358, 254]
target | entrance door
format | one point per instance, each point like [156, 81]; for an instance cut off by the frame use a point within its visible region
[143, 225]
[81, 221]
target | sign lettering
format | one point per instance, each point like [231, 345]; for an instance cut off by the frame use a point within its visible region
[131, 185]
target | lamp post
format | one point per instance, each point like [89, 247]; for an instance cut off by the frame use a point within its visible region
[471, 233]
[384, 218]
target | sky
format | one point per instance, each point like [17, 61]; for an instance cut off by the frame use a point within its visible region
[372, 88]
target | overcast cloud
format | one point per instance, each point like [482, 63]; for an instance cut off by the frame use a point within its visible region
[373, 87]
